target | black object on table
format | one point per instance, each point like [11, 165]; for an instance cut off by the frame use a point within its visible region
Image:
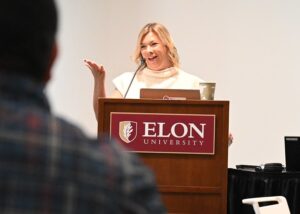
[250, 184]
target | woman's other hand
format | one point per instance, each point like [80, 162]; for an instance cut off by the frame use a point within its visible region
[230, 139]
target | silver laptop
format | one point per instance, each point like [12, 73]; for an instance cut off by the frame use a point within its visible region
[170, 94]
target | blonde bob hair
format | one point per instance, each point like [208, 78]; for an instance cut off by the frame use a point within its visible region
[164, 35]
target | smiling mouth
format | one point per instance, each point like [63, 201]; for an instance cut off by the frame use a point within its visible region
[152, 58]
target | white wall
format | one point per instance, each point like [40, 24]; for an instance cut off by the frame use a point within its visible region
[250, 48]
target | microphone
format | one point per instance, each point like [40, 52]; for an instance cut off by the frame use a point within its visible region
[139, 68]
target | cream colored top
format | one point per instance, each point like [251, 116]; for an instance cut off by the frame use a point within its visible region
[170, 78]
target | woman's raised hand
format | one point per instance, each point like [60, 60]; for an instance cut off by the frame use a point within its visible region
[99, 89]
[97, 70]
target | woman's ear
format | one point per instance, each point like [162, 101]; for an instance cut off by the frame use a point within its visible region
[53, 55]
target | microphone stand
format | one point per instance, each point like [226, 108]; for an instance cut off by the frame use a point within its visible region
[139, 68]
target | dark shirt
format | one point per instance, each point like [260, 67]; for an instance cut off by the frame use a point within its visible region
[48, 165]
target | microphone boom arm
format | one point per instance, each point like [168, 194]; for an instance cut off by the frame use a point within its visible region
[139, 68]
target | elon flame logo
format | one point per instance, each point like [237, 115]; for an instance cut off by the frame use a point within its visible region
[127, 131]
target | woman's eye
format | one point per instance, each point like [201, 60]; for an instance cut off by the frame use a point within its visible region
[143, 46]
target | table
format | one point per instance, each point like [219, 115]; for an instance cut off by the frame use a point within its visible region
[248, 184]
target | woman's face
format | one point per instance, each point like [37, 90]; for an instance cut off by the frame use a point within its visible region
[154, 52]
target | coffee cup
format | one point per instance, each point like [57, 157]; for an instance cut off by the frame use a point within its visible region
[207, 90]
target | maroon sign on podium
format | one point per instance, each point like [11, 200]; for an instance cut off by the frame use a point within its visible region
[164, 133]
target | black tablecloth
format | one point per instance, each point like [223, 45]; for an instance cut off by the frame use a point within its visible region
[246, 184]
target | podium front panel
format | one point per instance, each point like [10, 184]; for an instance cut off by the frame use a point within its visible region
[189, 183]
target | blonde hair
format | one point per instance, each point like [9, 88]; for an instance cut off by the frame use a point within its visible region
[164, 35]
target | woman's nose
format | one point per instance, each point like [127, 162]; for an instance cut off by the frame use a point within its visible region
[149, 49]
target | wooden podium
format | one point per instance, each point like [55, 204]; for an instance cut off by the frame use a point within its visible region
[189, 183]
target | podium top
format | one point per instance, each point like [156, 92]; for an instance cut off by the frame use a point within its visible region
[161, 101]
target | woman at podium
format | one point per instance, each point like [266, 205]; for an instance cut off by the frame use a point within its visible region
[158, 67]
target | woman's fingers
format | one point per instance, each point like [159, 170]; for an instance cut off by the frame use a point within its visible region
[93, 66]
[97, 70]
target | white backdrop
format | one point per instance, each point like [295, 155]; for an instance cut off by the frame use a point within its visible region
[251, 49]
